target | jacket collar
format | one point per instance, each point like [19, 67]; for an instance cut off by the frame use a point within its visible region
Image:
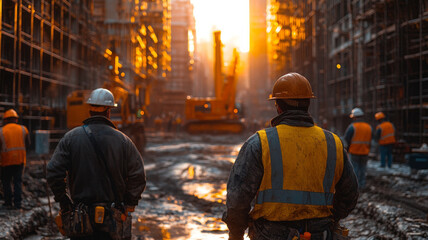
[297, 118]
[99, 120]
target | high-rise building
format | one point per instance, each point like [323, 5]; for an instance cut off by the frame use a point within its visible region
[183, 46]
[259, 82]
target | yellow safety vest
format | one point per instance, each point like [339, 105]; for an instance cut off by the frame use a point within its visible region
[12, 138]
[302, 165]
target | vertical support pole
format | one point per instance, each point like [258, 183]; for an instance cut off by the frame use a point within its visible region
[421, 121]
[218, 65]
[1, 23]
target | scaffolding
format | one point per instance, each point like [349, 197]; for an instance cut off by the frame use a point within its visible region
[371, 54]
[48, 49]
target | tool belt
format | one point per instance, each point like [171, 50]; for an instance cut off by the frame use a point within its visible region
[76, 222]
[290, 230]
[82, 220]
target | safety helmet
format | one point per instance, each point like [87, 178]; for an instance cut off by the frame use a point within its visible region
[291, 86]
[10, 114]
[379, 115]
[101, 97]
[356, 112]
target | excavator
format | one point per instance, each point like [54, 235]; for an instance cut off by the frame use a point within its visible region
[218, 115]
[128, 116]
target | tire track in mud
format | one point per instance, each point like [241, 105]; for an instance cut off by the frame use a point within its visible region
[394, 202]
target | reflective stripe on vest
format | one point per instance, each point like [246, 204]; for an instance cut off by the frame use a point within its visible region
[360, 143]
[286, 194]
[387, 135]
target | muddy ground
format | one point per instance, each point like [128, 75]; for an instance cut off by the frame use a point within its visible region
[186, 193]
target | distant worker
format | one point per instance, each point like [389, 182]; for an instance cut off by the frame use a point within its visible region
[298, 173]
[385, 135]
[13, 140]
[104, 169]
[178, 122]
[358, 136]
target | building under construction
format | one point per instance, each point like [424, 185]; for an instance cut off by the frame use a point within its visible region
[51, 48]
[48, 48]
[371, 54]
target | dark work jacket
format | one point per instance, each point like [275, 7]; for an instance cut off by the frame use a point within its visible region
[247, 173]
[88, 182]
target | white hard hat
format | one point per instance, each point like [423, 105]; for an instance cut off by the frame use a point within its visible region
[101, 97]
[356, 112]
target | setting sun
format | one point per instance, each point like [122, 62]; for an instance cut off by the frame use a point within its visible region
[230, 17]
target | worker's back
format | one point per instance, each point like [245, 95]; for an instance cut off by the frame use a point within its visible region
[12, 138]
[301, 167]
[89, 179]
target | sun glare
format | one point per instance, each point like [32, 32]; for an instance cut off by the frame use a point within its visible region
[230, 17]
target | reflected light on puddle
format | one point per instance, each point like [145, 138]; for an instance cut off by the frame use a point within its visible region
[208, 191]
[191, 172]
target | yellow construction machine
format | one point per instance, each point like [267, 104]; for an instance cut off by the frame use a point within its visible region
[219, 114]
[128, 116]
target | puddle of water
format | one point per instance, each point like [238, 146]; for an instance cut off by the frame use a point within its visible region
[208, 191]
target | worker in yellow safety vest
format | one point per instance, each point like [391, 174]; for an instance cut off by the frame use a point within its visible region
[298, 173]
[13, 140]
[385, 135]
[358, 136]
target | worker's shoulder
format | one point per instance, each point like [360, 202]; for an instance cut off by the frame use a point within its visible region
[335, 136]
[254, 140]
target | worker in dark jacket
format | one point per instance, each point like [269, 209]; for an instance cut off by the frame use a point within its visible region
[111, 177]
[297, 173]
[358, 135]
[385, 136]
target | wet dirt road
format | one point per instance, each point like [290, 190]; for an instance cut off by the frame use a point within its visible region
[186, 192]
[186, 189]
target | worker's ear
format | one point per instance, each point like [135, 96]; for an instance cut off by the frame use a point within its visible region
[108, 113]
[278, 109]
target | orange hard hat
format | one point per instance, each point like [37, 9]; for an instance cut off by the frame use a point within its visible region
[379, 115]
[10, 114]
[292, 86]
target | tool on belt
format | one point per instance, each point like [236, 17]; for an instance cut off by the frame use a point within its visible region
[340, 232]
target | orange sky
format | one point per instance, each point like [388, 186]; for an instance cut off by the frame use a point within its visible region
[231, 17]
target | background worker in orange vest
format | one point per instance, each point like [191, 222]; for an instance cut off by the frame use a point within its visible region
[298, 174]
[13, 139]
[385, 135]
[358, 135]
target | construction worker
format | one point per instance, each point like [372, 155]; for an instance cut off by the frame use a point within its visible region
[385, 136]
[358, 135]
[298, 173]
[104, 169]
[13, 140]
